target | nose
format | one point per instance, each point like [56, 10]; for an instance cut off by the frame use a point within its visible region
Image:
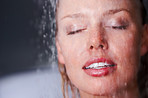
[97, 40]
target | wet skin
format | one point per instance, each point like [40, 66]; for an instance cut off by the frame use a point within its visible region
[110, 29]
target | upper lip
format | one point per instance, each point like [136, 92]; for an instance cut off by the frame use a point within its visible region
[97, 60]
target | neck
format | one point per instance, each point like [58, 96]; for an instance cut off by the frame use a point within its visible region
[127, 93]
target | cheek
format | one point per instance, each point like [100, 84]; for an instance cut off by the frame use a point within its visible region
[125, 50]
[73, 48]
[125, 45]
[75, 54]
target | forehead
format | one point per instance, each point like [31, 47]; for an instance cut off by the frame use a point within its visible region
[77, 6]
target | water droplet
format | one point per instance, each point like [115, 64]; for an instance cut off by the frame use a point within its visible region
[46, 32]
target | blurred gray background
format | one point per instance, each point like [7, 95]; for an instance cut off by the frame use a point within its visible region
[19, 38]
[28, 67]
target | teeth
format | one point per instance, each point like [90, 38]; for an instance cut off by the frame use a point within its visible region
[98, 65]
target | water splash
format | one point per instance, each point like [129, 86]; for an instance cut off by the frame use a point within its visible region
[47, 55]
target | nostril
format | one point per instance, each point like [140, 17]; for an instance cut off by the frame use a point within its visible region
[101, 46]
[91, 47]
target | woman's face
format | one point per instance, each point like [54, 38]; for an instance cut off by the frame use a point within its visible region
[99, 41]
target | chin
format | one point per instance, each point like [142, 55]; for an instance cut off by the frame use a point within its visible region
[106, 87]
[103, 91]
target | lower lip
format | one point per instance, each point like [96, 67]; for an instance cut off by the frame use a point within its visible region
[100, 72]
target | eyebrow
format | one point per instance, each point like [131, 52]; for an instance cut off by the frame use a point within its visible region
[109, 12]
[114, 11]
[76, 15]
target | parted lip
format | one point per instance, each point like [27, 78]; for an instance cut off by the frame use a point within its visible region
[97, 60]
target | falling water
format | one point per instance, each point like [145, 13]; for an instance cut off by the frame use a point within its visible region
[46, 33]
[44, 83]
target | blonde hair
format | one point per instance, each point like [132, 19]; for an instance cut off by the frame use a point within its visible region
[66, 83]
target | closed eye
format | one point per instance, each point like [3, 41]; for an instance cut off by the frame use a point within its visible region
[120, 27]
[76, 31]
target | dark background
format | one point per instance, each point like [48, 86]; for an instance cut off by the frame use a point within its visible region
[19, 38]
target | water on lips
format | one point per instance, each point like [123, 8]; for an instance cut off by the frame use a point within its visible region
[98, 65]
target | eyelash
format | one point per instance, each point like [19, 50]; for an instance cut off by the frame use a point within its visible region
[76, 31]
[122, 27]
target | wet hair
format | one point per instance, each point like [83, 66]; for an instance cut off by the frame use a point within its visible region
[142, 74]
[143, 70]
[143, 13]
